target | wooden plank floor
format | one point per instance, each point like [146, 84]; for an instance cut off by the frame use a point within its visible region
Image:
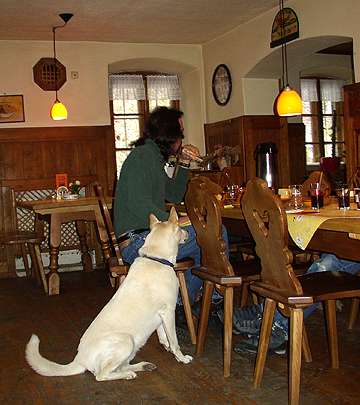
[60, 320]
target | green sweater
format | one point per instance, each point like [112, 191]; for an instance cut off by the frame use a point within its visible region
[143, 187]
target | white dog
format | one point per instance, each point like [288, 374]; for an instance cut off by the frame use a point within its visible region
[144, 302]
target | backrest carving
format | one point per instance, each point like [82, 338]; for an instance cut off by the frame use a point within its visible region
[266, 218]
[204, 212]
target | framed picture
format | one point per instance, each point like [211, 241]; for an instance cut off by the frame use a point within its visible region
[12, 109]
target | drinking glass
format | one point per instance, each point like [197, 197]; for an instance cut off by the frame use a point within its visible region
[296, 200]
[231, 193]
[284, 194]
[343, 196]
[317, 192]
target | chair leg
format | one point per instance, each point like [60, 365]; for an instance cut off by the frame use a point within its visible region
[244, 294]
[208, 289]
[265, 332]
[228, 328]
[296, 337]
[25, 259]
[187, 307]
[40, 268]
[353, 312]
[330, 313]
[306, 347]
[34, 263]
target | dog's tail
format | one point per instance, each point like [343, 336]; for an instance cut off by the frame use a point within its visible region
[46, 367]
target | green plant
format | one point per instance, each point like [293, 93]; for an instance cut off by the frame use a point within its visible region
[75, 187]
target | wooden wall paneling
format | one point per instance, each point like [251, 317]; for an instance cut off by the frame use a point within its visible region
[249, 131]
[50, 156]
[13, 161]
[352, 127]
[258, 129]
[31, 157]
[297, 153]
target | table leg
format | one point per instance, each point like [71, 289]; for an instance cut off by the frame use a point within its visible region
[86, 259]
[54, 242]
[102, 234]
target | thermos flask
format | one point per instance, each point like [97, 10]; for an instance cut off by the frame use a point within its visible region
[266, 163]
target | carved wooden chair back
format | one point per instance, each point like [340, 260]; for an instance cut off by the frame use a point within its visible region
[315, 178]
[266, 218]
[204, 212]
[118, 269]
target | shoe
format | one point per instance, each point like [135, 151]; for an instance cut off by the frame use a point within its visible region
[246, 321]
[277, 344]
[214, 322]
[181, 326]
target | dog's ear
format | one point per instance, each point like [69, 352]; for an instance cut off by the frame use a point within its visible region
[173, 215]
[153, 220]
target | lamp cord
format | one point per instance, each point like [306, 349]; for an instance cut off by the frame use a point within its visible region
[55, 75]
[285, 78]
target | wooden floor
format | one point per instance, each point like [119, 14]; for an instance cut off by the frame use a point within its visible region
[60, 320]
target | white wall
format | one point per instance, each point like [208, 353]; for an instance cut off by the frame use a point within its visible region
[242, 50]
[245, 47]
[86, 98]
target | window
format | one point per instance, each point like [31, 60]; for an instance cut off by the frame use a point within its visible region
[132, 98]
[323, 116]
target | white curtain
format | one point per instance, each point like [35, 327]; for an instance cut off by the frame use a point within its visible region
[126, 87]
[131, 87]
[163, 88]
[330, 90]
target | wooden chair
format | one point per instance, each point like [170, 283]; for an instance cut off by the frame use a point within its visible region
[314, 178]
[266, 219]
[32, 241]
[118, 268]
[216, 271]
[354, 307]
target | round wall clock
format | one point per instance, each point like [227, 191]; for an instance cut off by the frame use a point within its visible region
[221, 84]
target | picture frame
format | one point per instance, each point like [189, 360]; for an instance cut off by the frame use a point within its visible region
[11, 108]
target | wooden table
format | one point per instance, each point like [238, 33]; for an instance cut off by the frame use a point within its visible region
[58, 211]
[339, 235]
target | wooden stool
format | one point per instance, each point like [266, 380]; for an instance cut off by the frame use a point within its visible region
[33, 242]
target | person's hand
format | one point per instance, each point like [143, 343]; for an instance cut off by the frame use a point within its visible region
[184, 219]
[192, 155]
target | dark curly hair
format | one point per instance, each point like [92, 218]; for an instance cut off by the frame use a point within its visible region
[164, 129]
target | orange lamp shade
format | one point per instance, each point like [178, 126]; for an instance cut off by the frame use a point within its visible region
[288, 103]
[58, 111]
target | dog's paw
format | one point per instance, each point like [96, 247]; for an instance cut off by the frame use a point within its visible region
[149, 367]
[130, 375]
[185, 359]
[188, 359]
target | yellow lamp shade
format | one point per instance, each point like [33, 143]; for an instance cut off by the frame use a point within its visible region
[58, 111]
[289, 103]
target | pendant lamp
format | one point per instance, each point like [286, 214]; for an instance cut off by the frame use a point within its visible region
[58, 110]
[288, 102]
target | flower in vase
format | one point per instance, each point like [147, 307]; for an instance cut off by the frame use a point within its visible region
[74, 187]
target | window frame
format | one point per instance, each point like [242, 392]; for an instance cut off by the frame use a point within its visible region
[143, 110]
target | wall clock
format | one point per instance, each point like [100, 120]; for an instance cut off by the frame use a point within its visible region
[221, 84]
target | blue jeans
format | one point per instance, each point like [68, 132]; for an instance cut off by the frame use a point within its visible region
[328, 262]
[188, 249]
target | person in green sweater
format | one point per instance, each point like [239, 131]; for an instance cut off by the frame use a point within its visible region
[144, 187]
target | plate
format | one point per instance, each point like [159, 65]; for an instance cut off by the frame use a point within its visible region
[294, 211]
[70, 196]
